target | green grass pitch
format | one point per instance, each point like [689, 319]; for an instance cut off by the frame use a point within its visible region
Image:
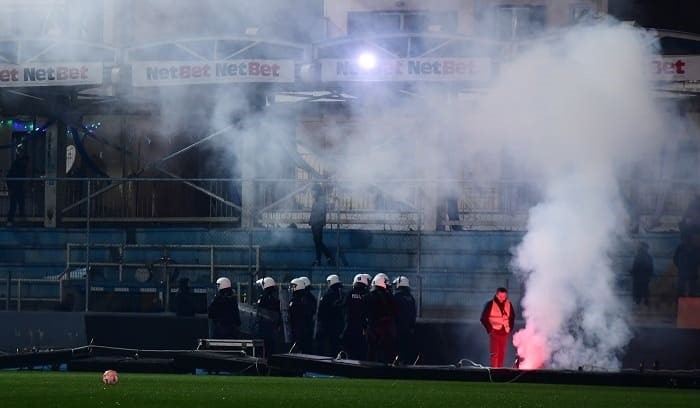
[65, 389]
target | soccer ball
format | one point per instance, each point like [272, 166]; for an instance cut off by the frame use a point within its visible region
[110, 377]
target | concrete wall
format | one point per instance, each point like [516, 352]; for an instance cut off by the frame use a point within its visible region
[42, 330]
[439, 343]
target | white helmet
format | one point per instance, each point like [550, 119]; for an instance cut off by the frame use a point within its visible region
[360, 278]
[223, 283]
[297, 284]
[332, 280]
[306, 280]
[380, 279]
[401, 282]
[266, 282]
[368, 276]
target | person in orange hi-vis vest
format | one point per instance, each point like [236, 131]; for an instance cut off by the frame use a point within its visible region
[498, 318]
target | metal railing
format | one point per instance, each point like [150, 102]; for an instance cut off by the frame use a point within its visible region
[399, 204]
[123, 257]
[10, 283]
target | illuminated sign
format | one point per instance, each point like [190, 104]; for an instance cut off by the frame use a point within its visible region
[159, 73]
[367, 69]
[60, 74]
[676, 68]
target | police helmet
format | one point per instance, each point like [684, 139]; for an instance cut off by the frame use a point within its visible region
[360, 278]
[306, 280]
[332, 279]
[401, 282]
[223, 283]
[380, 279]
[266, 282]
[297, 284]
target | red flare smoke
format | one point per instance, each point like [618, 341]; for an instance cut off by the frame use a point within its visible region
[532, 349]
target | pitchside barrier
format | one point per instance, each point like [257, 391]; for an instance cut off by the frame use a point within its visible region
[248, 347]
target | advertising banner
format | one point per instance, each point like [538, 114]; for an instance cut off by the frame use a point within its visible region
[159, 73]
[406, 69]
[43, 74]
[676, 68]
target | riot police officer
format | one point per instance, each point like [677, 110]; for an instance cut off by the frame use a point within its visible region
[353, 339]
[330, 318]
[267, 316]
[405, 320]
[223, 311]
[302, 309]
[381, 321]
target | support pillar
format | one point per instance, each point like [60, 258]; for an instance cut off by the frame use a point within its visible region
[248, 174]
[54, 167]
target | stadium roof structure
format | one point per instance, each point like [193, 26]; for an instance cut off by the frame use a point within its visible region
[223, 60]
[685, 48]
[348, 69]
[341, 67]
[37, 73]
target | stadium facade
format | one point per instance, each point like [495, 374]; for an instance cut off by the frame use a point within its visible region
[192, 136]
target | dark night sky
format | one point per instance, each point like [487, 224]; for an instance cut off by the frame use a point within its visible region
[680, 15]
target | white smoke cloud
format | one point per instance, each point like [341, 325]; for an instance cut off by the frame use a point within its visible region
[572, 113]
[575, 113]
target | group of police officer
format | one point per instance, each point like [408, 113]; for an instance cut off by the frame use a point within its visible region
[369, 322]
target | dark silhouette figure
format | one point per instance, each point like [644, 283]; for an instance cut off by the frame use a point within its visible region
[687, 260]
[690, 223]
[453, 214]
[15, 188]
[302, 309]
[353, 337]
[642, 271]
[330, 318]
[381, 321]
[184, 300]
[406, 320]
[317, 221]
[223, 311]
[268, 322]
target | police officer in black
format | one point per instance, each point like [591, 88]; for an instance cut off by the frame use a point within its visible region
[302, 309]
[353, 338]
[184, 302]
[330, 318]
[405, 320]
[223, 311]
[381, 321]
[267, 316]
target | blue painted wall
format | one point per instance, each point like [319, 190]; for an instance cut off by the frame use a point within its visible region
[459, 270]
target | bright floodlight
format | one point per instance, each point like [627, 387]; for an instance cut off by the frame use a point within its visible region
[367, 61]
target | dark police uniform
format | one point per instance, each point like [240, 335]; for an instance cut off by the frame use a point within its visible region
[405, 324]
[302, 309]
[330, 321]
[223, 311]
[353, 338]
[267, 318]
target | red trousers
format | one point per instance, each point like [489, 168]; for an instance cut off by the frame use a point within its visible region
[497, 346]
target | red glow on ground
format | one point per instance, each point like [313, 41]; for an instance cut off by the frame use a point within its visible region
[532, 349]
